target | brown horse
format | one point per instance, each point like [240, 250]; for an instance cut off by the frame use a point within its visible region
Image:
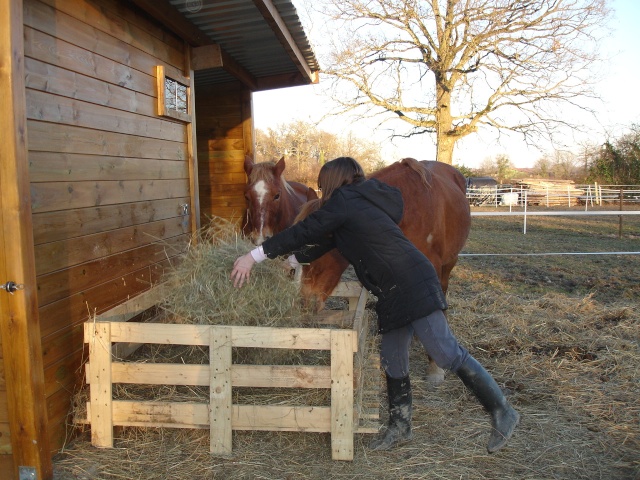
[272, 202]
[436, 219]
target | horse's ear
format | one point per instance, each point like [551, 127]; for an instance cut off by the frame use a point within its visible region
[280, 167]
[248, 164]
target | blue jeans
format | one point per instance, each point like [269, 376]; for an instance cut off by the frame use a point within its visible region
[436, 338]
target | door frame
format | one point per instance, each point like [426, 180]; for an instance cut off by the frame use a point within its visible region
[19, 320]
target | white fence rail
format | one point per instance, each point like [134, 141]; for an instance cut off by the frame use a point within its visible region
[569, 213]
[568, 195]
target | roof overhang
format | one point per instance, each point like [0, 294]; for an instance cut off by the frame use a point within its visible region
[261, 43]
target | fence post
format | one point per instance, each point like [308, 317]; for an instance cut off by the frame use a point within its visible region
[342, 394]
[220, 407]
[100, 388]
[524, 231]
[620, 216]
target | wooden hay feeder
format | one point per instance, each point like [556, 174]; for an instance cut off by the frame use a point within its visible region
[110, 335]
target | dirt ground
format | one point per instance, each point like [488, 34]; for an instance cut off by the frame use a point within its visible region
[560, 333]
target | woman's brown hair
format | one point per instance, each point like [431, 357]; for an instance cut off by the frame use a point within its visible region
[336, 173]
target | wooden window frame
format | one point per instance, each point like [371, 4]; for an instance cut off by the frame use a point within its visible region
[163, 111]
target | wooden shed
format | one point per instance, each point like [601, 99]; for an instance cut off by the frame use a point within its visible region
[122, 125]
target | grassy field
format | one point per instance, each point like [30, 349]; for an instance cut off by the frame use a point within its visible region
[560, 334]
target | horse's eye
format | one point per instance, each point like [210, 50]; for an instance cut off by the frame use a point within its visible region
[277, 196]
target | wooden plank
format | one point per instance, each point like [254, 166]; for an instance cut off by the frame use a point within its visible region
[4, 409]
[19, 321]
[259, 376]
[252, 337]
[347, 289]
[52, 196]
[64, 224]
[342, 425]
[59, 345]
[134, 306]
[192, 155]
[248, 133]
[220, 435]
[60, 81]
[80, 306]
[65, 373]
[60, 284]
[116, 21]
[5, 439]
[48, 20]
[63, 167]
[49, 49]
[6, 460]
[54, 109]
[71, 139]
[66, 253]
[279, 418]
[101, 386]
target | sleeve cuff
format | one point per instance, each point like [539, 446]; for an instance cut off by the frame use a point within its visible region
[293, 261]
[258, 254]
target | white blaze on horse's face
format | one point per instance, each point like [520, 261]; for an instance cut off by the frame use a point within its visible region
[261, 191]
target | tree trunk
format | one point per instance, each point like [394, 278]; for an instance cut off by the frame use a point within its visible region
[445, 141]
[445, 148]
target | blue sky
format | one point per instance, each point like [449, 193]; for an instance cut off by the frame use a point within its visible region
[619, 90]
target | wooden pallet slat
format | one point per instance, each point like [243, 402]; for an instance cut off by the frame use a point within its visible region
[341, 395]
[220, 390]
[101, 386]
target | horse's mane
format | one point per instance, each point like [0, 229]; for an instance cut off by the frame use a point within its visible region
[307, 209]
[264, 171]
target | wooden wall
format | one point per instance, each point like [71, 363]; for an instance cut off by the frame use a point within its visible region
[108, 176]
[225, 135]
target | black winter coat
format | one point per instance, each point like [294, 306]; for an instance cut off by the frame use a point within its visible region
[361, 221]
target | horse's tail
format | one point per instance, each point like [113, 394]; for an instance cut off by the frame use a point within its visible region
[417, 167]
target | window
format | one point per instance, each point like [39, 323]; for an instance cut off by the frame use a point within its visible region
[173, 96]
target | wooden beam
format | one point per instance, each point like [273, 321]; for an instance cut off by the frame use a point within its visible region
[19, 321]
[279, 27]
[206, 56]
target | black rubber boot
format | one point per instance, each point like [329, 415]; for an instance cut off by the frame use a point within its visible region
[504, 418]
[399, 427]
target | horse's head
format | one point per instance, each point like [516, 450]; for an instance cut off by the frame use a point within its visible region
[265, 193]
[272, 202]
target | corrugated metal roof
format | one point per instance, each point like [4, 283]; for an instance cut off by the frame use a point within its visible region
[241, 30]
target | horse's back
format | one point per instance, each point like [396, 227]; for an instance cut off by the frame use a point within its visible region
[436, 211]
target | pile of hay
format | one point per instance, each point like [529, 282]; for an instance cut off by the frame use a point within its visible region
[200, 291]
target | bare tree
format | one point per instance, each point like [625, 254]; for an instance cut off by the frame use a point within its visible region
[565, 165]
[449, 67]
[543, 166]
[306, 149]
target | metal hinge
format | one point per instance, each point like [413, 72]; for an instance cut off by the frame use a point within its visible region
[27, 473]
[11, 287]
